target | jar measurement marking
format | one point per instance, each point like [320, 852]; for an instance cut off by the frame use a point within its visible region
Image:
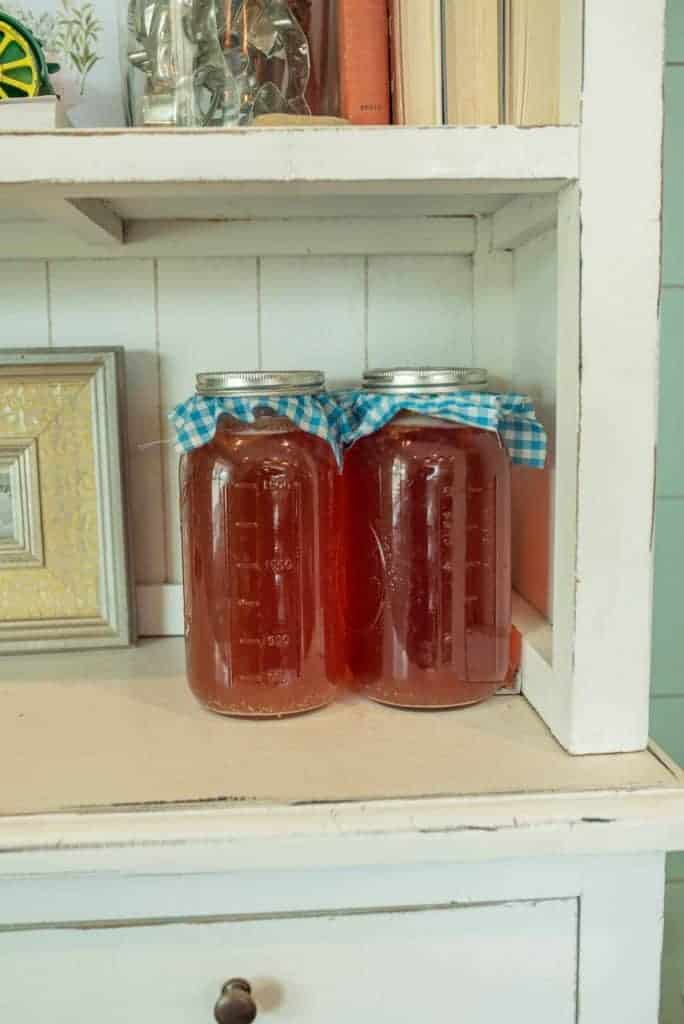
[279, 640]
[279, 564]
[259, 522]
[276, 483]
[276, 565]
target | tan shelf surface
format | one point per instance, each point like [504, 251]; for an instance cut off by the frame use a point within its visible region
[120, 728]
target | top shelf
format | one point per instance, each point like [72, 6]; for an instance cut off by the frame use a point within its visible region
[93, 182]
[324, 157]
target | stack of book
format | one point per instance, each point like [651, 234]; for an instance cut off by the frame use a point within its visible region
[431, 62]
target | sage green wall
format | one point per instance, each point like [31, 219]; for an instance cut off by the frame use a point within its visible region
[667, 700]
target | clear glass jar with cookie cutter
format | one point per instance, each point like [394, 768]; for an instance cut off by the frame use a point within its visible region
[213, 63]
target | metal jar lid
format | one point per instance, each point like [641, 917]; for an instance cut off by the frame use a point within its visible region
[428, 379]
[260, 382]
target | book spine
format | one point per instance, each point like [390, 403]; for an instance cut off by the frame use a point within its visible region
[471, 54]
[416, 62]
[438, 61]
[397, 84]
[363, 28]
[533, 52]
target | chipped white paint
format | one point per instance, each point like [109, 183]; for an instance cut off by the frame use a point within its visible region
[398, 288]
[422, 245]
[327, 158]
[620, 280]
[211, 910]
[318, 968]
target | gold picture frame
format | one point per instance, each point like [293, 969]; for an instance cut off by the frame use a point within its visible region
[64, 554]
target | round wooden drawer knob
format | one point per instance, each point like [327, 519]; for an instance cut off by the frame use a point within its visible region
[235, 1004]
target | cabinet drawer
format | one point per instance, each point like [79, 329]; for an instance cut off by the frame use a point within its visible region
[480, 963]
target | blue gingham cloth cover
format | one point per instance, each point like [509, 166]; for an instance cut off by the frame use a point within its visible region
[511, 416]
[343, 418]
[195, 419]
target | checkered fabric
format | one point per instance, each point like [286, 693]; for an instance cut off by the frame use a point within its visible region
[195, 420]
[360, 413]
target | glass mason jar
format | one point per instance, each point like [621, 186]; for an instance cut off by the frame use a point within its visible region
[318, 19]
[263, 628]
[427, 505]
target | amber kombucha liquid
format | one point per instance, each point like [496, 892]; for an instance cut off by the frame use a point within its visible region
[261, 556]
[428, 555]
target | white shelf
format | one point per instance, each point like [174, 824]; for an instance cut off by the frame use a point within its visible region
[120, 728]
[103, 178]
[331, 157]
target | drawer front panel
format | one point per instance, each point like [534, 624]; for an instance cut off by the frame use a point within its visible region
[480, 964]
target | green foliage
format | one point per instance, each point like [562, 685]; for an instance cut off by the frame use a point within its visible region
[42, 26]
[73, 32]
[78, 33]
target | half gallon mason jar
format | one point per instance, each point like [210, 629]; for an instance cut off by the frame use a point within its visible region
[263, 627]
[428, 550]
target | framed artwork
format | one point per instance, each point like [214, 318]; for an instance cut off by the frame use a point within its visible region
[64, 567]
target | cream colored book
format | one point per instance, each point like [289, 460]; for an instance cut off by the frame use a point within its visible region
[472, 61]
[416, 37]
[532, 58]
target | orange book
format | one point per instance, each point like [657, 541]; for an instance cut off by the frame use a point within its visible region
[364, 61]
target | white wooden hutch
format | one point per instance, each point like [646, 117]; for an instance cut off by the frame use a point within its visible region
[360, 863]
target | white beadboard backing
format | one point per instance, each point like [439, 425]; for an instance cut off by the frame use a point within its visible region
[208, 320]
[24, 300]
[420, 310]
[534, 373]
[98, 302]
[535, 324]
[492, 307]
[160, 610]
[312, 315]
